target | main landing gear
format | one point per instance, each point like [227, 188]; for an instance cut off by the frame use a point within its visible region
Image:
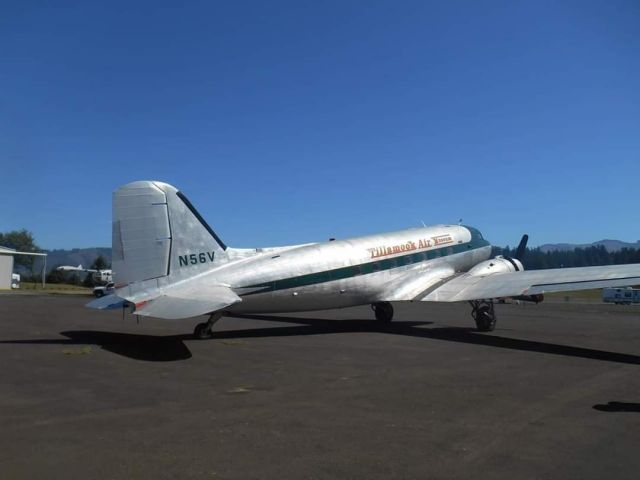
[383, 311]
[203, 330]
[484, 314]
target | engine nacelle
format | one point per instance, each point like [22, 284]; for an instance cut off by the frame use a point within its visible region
[498, 264]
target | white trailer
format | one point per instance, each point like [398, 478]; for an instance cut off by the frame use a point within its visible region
[621, 296]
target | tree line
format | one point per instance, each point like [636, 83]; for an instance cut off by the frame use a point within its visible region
[53, 275]
[536, 259]
[78, 278]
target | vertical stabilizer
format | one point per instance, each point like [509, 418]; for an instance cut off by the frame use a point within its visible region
[157, 233]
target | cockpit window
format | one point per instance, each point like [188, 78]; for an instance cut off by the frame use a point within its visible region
[476, 235]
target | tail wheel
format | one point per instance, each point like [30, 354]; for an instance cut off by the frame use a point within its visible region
[202, 331]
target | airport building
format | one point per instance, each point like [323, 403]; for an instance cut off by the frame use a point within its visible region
[6, 267]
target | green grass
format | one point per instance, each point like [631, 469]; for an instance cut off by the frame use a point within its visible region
[54, 287]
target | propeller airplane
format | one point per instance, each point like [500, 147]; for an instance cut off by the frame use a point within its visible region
[169, 263]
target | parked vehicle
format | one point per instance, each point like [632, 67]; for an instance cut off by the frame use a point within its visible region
[103, 290]
[621, 296]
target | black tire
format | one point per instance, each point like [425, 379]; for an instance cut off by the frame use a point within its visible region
[484, 320]
[383, 311]
[99, 293]
[202, 331]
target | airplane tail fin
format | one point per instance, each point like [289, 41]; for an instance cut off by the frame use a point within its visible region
[158, 234]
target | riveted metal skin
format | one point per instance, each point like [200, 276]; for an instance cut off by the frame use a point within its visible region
[343, 273]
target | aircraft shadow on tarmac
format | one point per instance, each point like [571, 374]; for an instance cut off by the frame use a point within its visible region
[451, 334]
[138, 347]
[618, 407]
[172, 347]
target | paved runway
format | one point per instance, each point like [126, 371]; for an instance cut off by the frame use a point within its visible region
[554, 392]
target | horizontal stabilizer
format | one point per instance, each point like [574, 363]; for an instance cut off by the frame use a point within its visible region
[185, 301]
[108, 302]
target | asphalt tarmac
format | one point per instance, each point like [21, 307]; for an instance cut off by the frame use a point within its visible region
[553, 393]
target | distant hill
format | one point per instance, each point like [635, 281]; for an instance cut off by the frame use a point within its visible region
[609, 245]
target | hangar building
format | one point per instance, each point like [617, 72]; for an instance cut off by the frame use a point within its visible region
[6, 267]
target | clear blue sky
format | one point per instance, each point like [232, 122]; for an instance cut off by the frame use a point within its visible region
[289, 122]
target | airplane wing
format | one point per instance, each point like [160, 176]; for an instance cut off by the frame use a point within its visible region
[416, 283]
[531, 282]
[183, 301]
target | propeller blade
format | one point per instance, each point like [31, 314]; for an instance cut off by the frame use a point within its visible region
[521, 247]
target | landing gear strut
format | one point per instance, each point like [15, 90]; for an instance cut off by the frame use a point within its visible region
[203, 330]
[383, 311]
[484, 315]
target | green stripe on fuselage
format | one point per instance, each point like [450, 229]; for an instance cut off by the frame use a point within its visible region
[367, 268]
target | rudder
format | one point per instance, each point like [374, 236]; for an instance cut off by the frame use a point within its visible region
[158, 233]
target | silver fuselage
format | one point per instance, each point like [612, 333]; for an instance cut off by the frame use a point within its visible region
[344, 273]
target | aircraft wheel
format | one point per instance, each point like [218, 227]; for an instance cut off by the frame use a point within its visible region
[485, 318]
[383, 311]
[202, 331]
[99, 293]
